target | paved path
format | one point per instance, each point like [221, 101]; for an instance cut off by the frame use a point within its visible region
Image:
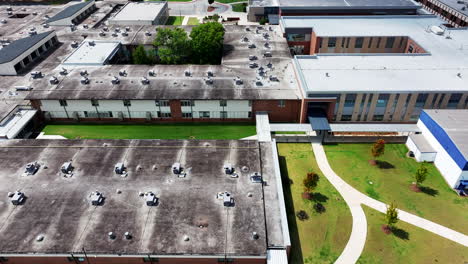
[354, 199]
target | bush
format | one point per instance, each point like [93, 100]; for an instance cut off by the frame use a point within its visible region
[263, 21]
[302, 215]
[319, 208]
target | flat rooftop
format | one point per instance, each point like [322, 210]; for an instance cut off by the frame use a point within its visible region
[440, 69]
[349, 4]
[92, 52]
[143, 11]
[70, 11]
[455, 124]
[456, 5]
[170, 81]
[59, 208]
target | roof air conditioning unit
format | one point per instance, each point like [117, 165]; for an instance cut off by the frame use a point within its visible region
[258, 83]
[96, 198]
[9, 8]
[4, 21]
[102, 33]
[228, 169]
[227, 199]
[124, 34]
[256, 177]
[84, 73]
[176, 168]
[23, 88]
[105, 28]
[117, 29]
[45, 25]
[115, 80]
[145, 80]
[151, 199]
[74, 44]
[64, 71]
[252, 57]
[209, 80]
[187, 73]
[36, 74]
[273, 78]
[253, 65]
[66, 168]
[32, 168]
[92, 43]
[252, 46]
[119, 168]
[147, 33]
[123, 73]
[209, 74]
[84, 80]
[151, 73]
[32, 33]
[127, 29]
[114, 34]
[238, 81]
[53, 80]
[85, 26]
[267, 54]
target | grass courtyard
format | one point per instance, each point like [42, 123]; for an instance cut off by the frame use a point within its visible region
[193, 21]
[240, 7]
[153, 131]
[175, 20]
[322, 237]
[390, 181]
[410, 244]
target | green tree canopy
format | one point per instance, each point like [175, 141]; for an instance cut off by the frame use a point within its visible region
[421, 173]
[391, 216]
[207, 43]
[311, 181]
[141, 56]
[210, 2]
[173, 45]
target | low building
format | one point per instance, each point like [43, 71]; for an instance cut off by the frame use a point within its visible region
[73, 14]
[455, 12]
[273, 9]
[142, 13]
[18, 55]
[140, 201]
[378, 69]
[444, 137]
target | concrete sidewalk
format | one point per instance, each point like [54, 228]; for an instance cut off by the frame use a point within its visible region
[354, 199]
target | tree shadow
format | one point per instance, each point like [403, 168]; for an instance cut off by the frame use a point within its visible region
[296, 252]
[319, 198]
[384, 164]
[428, 190]
[400, 233]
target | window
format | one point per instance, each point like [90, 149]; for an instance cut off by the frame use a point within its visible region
[410, 49]
[225, 260]
[331, 42]
[250, 114]
[127, 103]
[187, 115]
[389, 43]
[401, 42]
[358, 43]
[346, 118]
[378, 42]
[223, 114]
[281, 103]
[152, 260]
[204, 114]
[63, 102]
[94, 102]
[298, 37]
[250, 103]
[347, 42]
[349, 100]
[320, 42]
[162, 102]
[369, 45]
[186, 103]
[421, 100]
[378, 118]
[222, 103]
[91, 114]
[453, 101]
[343, 42]
[382, 100]
[106, 114]
[164, 114]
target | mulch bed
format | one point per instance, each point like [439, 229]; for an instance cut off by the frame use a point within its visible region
[386, 229]
[372, 162]
[414, 188]
[211, 9]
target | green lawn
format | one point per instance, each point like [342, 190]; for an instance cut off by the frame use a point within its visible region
[193, 21]
[391, 182]
[230, 1]
[239, 7]
[175, 20]
[322, 237]
[409, 244]
[153, 131]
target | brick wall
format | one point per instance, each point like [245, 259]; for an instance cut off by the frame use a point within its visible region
[289, 113]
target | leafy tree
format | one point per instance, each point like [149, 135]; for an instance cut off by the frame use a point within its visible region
[207, 43]
[421, 173]
[378, 148]
[319, 208]
[141, 56]
[173, 45]
[311, 181]
[263, 21]
[391, 216]
[302, 215]
[210, 2]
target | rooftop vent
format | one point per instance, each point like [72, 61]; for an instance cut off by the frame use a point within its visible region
[253, 65]
[115, 34]
[151, 199]
[105, 28]
[40, 238]
[96, 198]
[36, 74]
[186, 238]
[228, 169]
[267, 54]
[9, 8]
[255, 236]
[53, 80]
[238, 81]
[117, 29]
[270, 65]
[127, 29]
[119, 168]
[145, 80]
[63, 71]
[45, 25]
[437, 30]
[17, 198]
[151, 73]
[84, 73]
[209, 74]
[256, 177]
[124, 33]
[188, 73]
[228, 201]
[111, 235]
[123, 73]
[115, 80]
[266, 45]
[252, 57]
[85, 26]
[274, 78]
[252, 46]
[92, 43]
[102, 33]
[245, 39]
[176, 168]
[127, 235]
[147, 33]
[34, 13]
[85, 80]
[4, 21]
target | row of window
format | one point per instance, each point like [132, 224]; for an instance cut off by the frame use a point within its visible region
[145, 259]
[160, 114]
[359, 41]
[222, 103]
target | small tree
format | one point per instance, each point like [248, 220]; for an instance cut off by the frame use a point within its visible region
[421, 174]
[378, 148]
[391, 216]
[263, 21]
[310, 182]
[210, 2]
[207, 43]
[140, 56]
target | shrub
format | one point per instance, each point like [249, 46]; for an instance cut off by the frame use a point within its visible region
[319, 208]
[302, 215]
[263, 21]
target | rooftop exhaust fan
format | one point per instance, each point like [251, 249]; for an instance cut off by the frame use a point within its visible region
[53, 80]
[176, 168]
[119, 168]
[115, 80]
[227, 199]
[256, 177]
[66, 168]
[123, 73]
[96, 198]
[145, 80]
[84, 73]
[85, 80]
[151, 199]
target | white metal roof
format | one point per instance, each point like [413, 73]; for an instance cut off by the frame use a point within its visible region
[92, 54]
[443, 68]
[377, 127]
[145, 11]
[277, 256]
[16, 123]
[263, 127]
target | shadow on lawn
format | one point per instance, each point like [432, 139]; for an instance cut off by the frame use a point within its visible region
[428, 190]
[384, 164]
[400, 233]
[319, 198]
[296, 253]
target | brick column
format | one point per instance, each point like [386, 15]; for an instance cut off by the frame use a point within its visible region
[399, 107]
[461, 103]
[339, 113]
[370, 114]
[364, 108]
[429, 99]
[410, 107]
[445, 101]
[176, 110]
[357, 106]
[388, 109]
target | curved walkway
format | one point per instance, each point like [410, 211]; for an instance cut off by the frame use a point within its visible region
[354, 199]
